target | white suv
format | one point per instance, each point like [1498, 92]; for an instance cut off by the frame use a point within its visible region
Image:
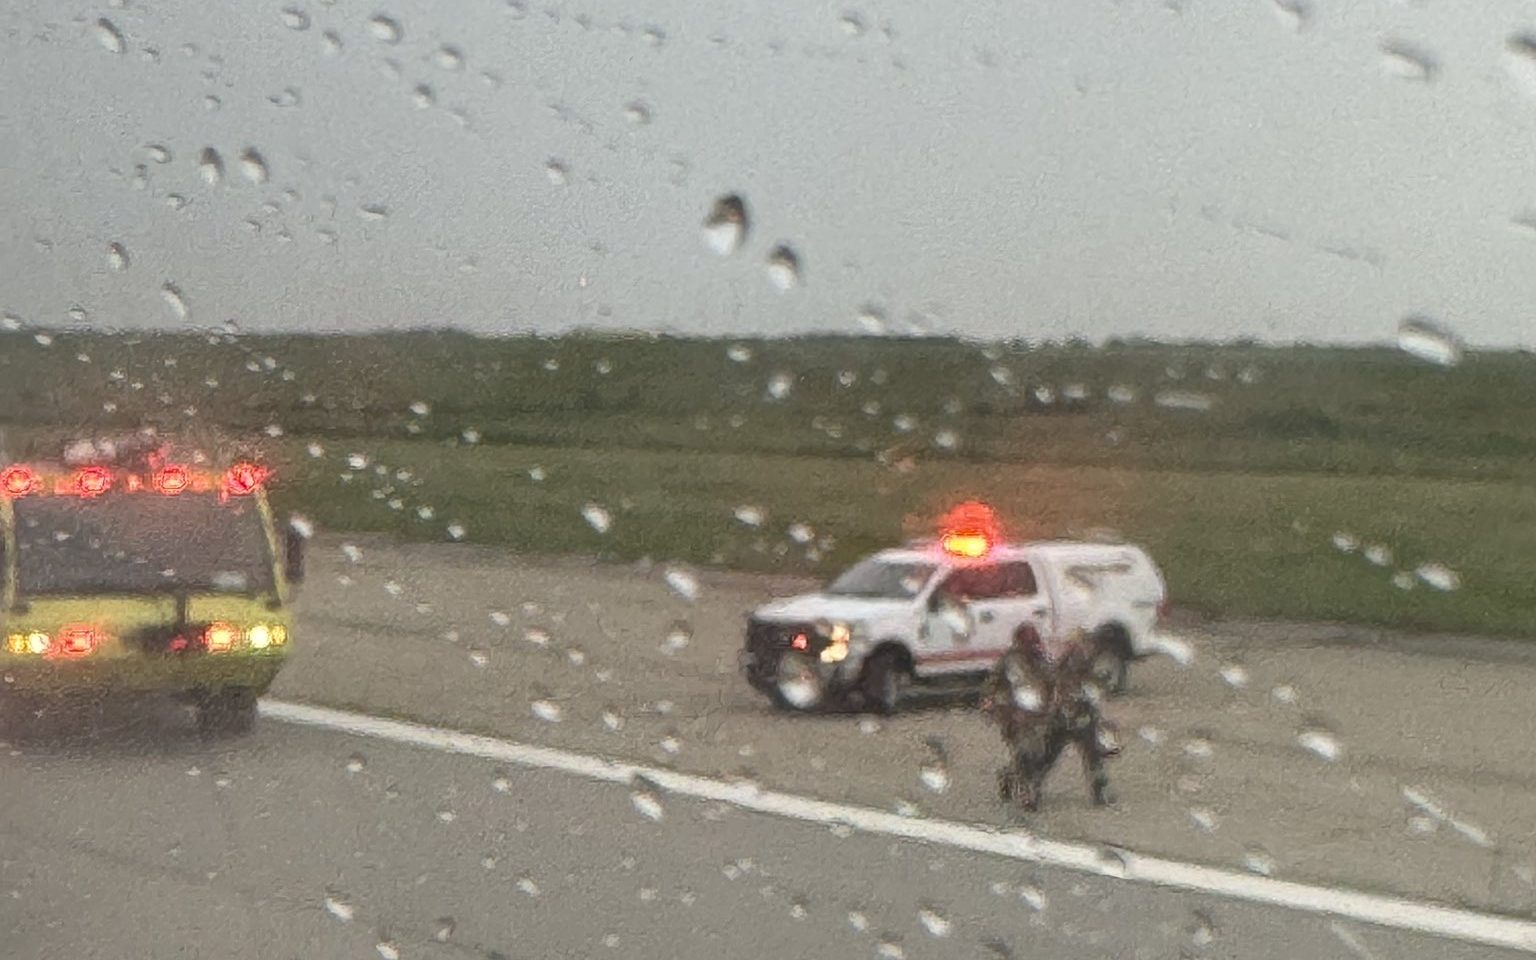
[943, 612]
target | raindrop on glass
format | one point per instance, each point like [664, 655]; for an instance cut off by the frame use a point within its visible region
[934, 922]
[683, 583]
[1235, 675]
[423, 97]
[385, 29]
[637, 113]
[1406, 61]
[935, 776]
[253, 165]
[1438, 576]
[330, 43]
[749, 515]
[173, 299]
[448, 57]
[597, 517]
[780, 385]
[783, 266]
[117, 256]
[110, 38]
[1294, 14]
[210, 166]
[1321, 743]
[557, 172]
[726, 225]
[294, 18]
[1427, 340]
[1520, 60]
[647, 804]
[339, 909]
[546, 710]
[373, 211]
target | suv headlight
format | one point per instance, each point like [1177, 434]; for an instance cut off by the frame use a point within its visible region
[838, 639]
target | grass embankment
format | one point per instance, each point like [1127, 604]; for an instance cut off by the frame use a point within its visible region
[1239, 502]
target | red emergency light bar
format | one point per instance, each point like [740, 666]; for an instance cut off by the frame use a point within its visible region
[969, 530]
[242, 479]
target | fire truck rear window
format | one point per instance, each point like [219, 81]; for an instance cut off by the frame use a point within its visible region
[136, 543]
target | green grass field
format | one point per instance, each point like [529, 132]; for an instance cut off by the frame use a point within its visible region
[1236, 465]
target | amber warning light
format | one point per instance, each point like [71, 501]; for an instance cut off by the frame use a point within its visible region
[969, 530]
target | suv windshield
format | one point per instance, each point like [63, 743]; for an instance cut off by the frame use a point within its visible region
[880, 578]
[137, 544]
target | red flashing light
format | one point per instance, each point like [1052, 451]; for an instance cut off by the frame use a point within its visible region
[244, 478]
[969, 530]
[78, 640]
[93, 481]
[801, 642]
[18, 481]
[172, 480]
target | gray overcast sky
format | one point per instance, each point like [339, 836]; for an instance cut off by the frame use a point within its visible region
[1002, 169]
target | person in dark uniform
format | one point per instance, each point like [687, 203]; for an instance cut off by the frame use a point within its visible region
[1041, 707]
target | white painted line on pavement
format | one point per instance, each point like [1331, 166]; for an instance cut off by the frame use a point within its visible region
[1401, 914]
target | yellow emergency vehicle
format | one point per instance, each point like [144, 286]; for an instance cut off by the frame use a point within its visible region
[128, 568]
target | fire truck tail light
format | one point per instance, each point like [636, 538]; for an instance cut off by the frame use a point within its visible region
[243, 478]
[78, 640]
[172, 479]
[93, 481]
[18, 481]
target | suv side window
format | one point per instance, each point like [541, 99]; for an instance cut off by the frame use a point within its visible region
[987, 582]
[1018, 579]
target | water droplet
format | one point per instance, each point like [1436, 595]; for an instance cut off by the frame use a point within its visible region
[110, 38]
[683, 583]
[1285, 693]
[557, 172]
[546, 710]
[1201, 931]
[210, 166]
[935, 776]
[117, 256]
[1345, 543]
[1204, 818]
[1404, 60]
[294, 18]
[1257, 860]
[537, 636]
[423, 97]
[1183, 400]
[1198, 747]
[212, 103]
[1378, 555]
[456, 531]
[872, 319]
[448, 57]
[1520, 60]
[444, 929]
[783, 267]
[339, 909]
[528, 887]
[157, 152]
[330, 43]
[853, 24]
[1321, 743]
[1438, 576]
[750, 515]
[385, 29]
[175, 201]
[597, 517]
[858, 921]
[934, 922]
[286, 97]
[479, 657]
[1294, 14]
[637, 113]
[1403, 580]
[1427, 340]
[373, 211]
[780, 385]
[387, 950]
[612, 720]
[253, 165]
[890, 950]
[173, 299]
[726, 225]
[1235, 675]
[677, 638]
[647, 804]
[946, 439]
